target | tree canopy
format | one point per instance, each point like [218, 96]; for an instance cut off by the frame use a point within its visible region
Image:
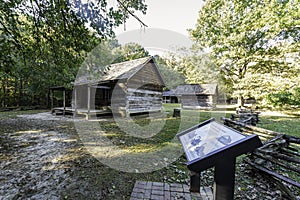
[253, 43]
[129, 51]
[195, 66]
[43, 42]
[171, 76]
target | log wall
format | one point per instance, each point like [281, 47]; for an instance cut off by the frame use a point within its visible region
[198, 101]
[141, 100]
[144, 91]
[118, 98]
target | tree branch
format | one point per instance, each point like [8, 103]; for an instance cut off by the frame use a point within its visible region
[131, 13]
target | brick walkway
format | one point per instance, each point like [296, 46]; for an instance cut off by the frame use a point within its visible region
[167, 191]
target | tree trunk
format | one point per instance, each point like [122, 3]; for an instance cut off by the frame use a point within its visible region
[15, 96]
[4, 93]
[48, 98]
[241, 101]
[20, 93]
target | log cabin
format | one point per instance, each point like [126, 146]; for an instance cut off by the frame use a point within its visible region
[125, 88]
[197, 96]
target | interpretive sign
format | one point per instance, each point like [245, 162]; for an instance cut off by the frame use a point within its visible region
[212, 144]
[210, 140]
[206, 138]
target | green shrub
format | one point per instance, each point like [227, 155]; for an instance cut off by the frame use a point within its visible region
[285, 98]
[296, 96]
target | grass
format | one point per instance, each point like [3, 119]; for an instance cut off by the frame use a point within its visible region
[169, 128]
[15, 113]
[289, 125]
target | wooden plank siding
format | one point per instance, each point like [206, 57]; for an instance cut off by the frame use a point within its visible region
[143, 101]
[197, 96]
[148, 75]
[144, 90]
[197, 101]
[81, 96]
[118, 98]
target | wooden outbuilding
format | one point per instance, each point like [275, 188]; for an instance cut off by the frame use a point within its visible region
[170, 96]
[60, 102]
[125, 88]
[197, 96]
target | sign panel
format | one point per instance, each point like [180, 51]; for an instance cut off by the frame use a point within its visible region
[206, 138]
[213, 144]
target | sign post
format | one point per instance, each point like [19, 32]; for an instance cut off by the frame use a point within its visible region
[224, 179]
[212, 144]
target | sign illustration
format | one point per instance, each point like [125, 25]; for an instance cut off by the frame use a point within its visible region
[205, 139]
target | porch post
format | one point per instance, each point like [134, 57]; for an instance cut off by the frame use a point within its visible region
[89, 101]
[52, 101]
[64, 101]
[75, 100]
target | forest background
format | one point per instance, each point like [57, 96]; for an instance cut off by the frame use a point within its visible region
[251, 48]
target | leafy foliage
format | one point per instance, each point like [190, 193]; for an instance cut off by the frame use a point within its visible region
[197, 68]
[250, 38]
[285, 98]
[129, 51]
[190, 66]
[109, 52]
[44, 42]
[171, 77]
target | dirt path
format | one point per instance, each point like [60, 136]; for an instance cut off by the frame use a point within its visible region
[42, 160]
[42, 157]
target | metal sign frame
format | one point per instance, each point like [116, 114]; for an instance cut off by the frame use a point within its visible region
[212, 144]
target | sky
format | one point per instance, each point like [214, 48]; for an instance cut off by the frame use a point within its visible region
[174, 15]
[167, 21]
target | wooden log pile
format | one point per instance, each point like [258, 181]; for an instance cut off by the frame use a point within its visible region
[278, 159]
[246, 116]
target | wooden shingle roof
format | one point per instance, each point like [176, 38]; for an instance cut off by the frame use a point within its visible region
[169, 93]
[124, 70]
[118, 71]
[196, 89]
